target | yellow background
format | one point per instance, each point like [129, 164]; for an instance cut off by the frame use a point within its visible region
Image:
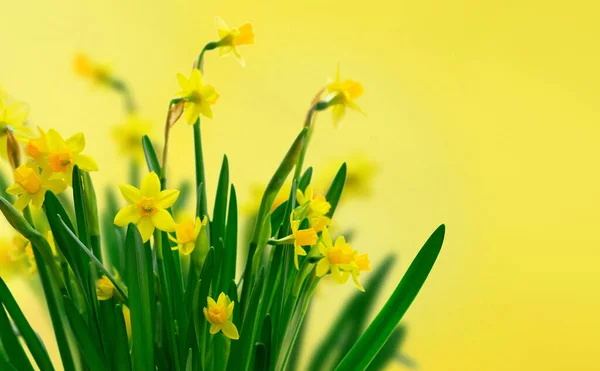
[483, 115]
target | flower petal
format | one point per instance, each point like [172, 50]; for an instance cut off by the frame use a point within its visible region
[16, 113]
[163, 221]
[76, 143]
[55, 185]
[214, 328]
[230, 330]
[222, 299]
[55, 140]
[128, 214]
[146, 228]
[130, 193]
[15, 189]
[150, 186]
[322, 267]
[222, 28]
[22, 201]
[86, 163]
[183, 83]
[167, 198]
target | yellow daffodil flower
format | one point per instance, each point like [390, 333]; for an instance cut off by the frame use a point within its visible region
[360, 263]
[37, 148]
[187, 233]
[336, 257]
[219, 314]
[302, 237]
[230, 38]
[64, 155]
[104, 288]
[85, 67]
[341, 95]
[147, 207]
[314, 208]
[198, 97]
[31, 187]
[129, 136]
[12, 117]
[22, 248]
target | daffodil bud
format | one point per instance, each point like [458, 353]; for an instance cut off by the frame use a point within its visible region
[13, 149]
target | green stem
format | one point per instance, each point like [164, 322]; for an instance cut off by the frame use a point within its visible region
[308, 124]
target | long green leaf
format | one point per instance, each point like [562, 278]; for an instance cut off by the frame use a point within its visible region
[220, 208]
[231, 237]
[34, 343]
[121, 346]
[94, 260]
[335, 190]
[88, 344]
[11, 343]
[140, 299]
[150, 153]
[374, 338]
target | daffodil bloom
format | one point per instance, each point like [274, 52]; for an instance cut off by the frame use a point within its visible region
[337, 257]
[22, 248]
[302, 237]
[147, 207]
[219, 314]
[342, 95]
[129, 136]
[64, 155]
[187, 233]
[104, 288]
[230, 38]
[85, 67]
[37, 148]
[198, 97]
[31, 187]
[12, 117]
[314, 208]
[360, 263]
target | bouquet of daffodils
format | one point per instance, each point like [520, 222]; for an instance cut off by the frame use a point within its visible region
[128, 288]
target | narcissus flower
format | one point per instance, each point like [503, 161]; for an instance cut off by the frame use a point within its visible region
[129, 136]
[302, 237]
[342, 95]
[198, 97]
[187, 233]
[104, 288]
[12, 118]
[314, 208]
[64, 155]
[230, 38]
[37, 148]
[219, 314]
[147, 207]
[31, 187]
[360, 263]
[336, 257]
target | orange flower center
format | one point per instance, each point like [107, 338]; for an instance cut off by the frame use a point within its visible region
[60, 160]
[31, 149]
[27, 178]
[217, 314]
[147, 206]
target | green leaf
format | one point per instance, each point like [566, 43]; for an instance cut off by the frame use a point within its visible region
[34, 343]
[351, 322]
[305, 179]
[121, 355]
[373, 339]
[250, 324]
[5, 365]
[69, 233]
[49, 275]
[141, 300]
[335, 190]
[113, 235]
[231, 237]
[88, 344]
[389, 351]
[3, 186]
[220, 209]
[200, 301]
[150, 153]
[80, 207]
[262, 219]
[11, 343]
[261, 357]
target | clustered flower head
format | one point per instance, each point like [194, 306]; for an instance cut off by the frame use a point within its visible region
[49, 166]
[337, 258]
